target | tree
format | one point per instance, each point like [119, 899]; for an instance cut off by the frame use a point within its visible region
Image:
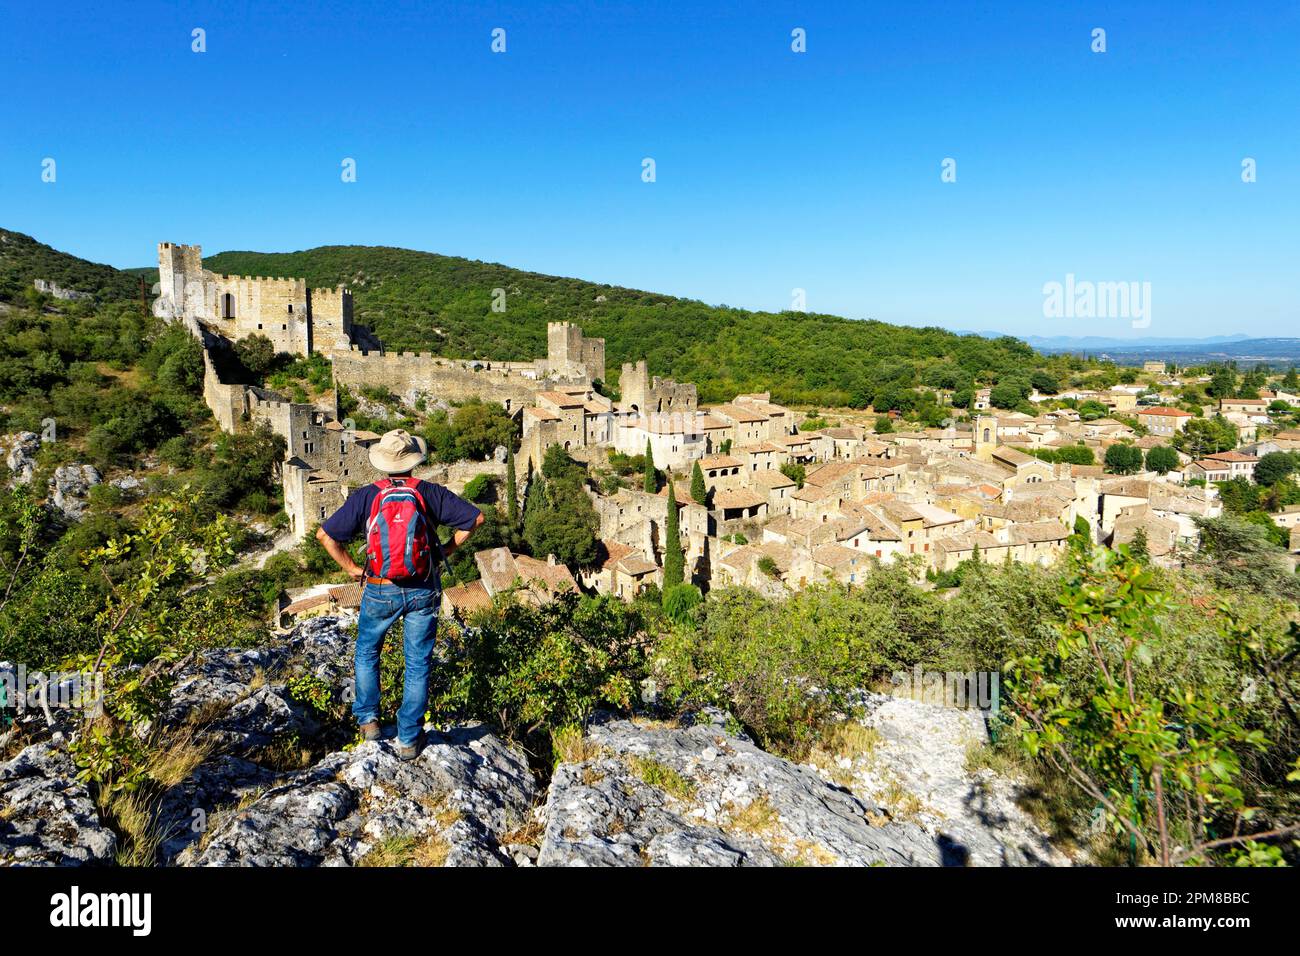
[1044, 381]
[1223, 383]
[674, 559]
[698, 490]
[1139, 547]
[884, 425]
[512, 492]
[1008, 393]
[1273, 467]
[651, 483]
[1206, 436]
[562, 522]
[256, 354]
[1130, 734]
[1291, 381]
[1082, 531]
[795, 472]
[1162, 459]
[1123, 459]
[1092, 410]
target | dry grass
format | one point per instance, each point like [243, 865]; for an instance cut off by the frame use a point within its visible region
[135, 817]
[814, 853]
[656, 774]
[650, 723]
[571, 745]
[208, 712]
[177, 757]
[394, 851]
[529, 833]
[661, 775]
[902, 803]
[591, 776]
[757, 817]
[849, 740]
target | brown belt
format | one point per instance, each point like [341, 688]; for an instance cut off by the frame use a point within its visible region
[373, 580]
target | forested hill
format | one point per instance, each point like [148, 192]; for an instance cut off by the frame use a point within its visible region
[428, 302]
[23, 260]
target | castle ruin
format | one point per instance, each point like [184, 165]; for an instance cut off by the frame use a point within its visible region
[325, 458]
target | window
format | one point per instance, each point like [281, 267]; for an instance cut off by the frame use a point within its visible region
[227, 305]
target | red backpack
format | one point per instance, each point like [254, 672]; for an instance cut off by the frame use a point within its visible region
[400, 542]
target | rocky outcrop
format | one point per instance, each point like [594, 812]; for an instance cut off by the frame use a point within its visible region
[47, 818]
[905, 786]
[921, 760]
[49, 287]
[20, 456]
[453, 805]
[69, 488]
[663, 795]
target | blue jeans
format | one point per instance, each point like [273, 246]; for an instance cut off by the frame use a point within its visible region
[382, 606]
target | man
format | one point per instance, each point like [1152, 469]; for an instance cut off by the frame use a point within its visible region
[399, 515]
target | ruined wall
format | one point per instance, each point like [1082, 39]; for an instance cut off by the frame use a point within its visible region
[637, 388]
[511, 384]
[225, 401]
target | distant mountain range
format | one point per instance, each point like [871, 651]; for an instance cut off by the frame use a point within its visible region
[1237, 347]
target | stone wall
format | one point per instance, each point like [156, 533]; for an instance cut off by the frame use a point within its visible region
[411, 374]
[637, 389]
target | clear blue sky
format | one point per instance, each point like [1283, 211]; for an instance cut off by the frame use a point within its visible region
[775, 170]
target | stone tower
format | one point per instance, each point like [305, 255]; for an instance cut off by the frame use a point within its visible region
[986, 436]
[570, 354]
[179, 266]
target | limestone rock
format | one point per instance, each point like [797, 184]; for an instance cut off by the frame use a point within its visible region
[49, 287]
[696, 796]
[918, 762]
[69, 487]
[20, 456]
[453, 805]
[47, 818]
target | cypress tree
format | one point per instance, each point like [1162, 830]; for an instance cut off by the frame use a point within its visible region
[512, 493]
[698, 491]
[651, 484]
[674, 558]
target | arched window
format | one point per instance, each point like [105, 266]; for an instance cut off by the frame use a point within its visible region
[227, 305]
[986, 434]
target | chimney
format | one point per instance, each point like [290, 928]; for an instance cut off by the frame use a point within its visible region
[550, 559]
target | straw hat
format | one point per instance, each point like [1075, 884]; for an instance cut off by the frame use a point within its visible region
[398, 451]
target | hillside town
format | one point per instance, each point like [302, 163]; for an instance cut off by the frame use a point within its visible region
[768, 496]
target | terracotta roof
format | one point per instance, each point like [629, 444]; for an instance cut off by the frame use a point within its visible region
[562, 399]
[738, 413]
[738, 498]
[467, 598]
[720, 461]
[1165, 411]
[835, 555]
[1039, 531]
[771, 478]
[1231, 456]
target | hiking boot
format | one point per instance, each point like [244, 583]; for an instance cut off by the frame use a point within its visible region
[371, 730]
[410, 751]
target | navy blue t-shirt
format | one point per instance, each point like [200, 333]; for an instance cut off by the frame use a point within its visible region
[443, 507]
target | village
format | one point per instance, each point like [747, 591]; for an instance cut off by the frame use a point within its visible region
[767, 496]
